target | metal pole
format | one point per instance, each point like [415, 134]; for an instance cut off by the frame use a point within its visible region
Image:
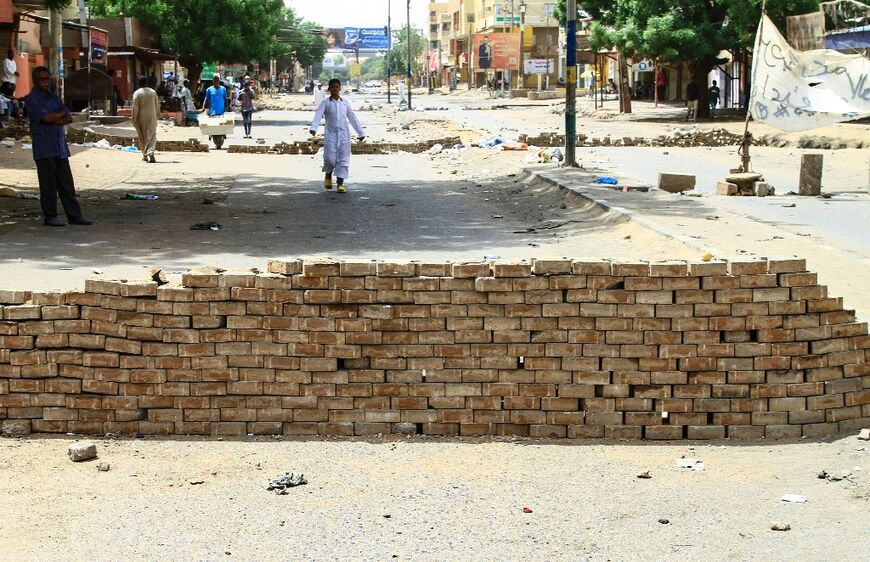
[389, 49]
[571, 90]
[410, 86]
[521, 82]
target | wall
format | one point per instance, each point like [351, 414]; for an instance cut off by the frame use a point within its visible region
[743, 350]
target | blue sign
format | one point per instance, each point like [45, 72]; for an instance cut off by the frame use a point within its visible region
[366, 38]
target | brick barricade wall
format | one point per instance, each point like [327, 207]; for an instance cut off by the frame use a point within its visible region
[563, 348]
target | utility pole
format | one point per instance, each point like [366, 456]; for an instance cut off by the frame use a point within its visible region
[521, 83]
[571, 90]
[55, 50]
[389, 48]
[410, 86]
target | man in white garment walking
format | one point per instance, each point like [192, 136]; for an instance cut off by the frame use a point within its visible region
[336, 146]
[146, 114]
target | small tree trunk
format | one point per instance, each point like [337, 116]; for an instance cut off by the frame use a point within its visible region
[624, 89]
[700, 72]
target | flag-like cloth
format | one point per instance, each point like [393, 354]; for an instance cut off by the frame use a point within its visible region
[802, 90]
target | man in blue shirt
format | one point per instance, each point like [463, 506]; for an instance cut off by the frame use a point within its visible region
[48, 115]
[215, 97]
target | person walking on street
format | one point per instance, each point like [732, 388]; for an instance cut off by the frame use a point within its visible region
[48, 115]
[336, 146]
[693, 90]
[146, 114]
[319, 95]
[246, 100]
[215, 97]
[713, 94]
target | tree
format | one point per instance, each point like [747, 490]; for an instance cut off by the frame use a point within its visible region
[199, 31]
[399, 53]
[696, 31]
[373, 68]
[297, 41]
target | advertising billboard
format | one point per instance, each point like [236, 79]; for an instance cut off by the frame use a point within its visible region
[496, 51]
[354, 38]
[366, 38]
[99, 46]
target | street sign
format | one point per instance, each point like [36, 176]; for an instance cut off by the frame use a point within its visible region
[539, 66]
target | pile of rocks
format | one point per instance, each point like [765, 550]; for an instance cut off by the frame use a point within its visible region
[744, 183]
[680, 138]
[312, 147]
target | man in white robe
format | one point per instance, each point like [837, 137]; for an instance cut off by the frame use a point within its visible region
[336, 145]
[146, 114]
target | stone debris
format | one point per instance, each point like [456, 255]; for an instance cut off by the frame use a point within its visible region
[864, 435]
[676, 183]
[84, 451]
[103, 467]
[15, 428]
[312, 147]
[779, 526]
[691, 464]
[289, 480]
[794, 498]
[686, 137]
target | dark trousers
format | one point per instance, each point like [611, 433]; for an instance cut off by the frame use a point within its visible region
[56, 180]
[247, 120]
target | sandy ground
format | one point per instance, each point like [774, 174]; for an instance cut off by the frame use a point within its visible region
[425, 499]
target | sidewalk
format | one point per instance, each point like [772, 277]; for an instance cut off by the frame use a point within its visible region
[717, 225]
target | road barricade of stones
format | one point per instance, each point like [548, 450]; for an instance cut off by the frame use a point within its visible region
[81, 136]
[541, 348]
[313, 146]
[711, 138]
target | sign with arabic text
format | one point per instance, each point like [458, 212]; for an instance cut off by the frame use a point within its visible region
[802, 90]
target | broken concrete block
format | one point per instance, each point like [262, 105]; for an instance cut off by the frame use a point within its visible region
[811, 175]
[744, 178]
[762, 189]
[85, 451]
[405, 428]
[676, 183]
[15, 428]
[726, 188]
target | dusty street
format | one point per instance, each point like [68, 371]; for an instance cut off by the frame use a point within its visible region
[425, 499]
[418, 498]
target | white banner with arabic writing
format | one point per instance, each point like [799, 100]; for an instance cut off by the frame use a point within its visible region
[801, 90]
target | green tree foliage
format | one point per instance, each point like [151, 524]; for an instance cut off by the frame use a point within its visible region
[695, 31]
[373, 68]
[299, 40]
[198, 31]
[399, 54]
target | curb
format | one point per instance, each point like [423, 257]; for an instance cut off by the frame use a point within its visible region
[632, 216]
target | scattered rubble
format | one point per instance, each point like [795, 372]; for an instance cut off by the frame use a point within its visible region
[779, 526]
[685, 137]
[84, 451]
[289, 480]
[15, 428]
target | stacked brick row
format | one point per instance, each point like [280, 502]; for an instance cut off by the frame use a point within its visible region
[81, 136]
[563, 348]
[713, 137]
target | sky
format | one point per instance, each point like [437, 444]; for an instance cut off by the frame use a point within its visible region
[360, 13]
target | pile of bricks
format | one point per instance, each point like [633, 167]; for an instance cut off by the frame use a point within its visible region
[713, 137]
[553, 347]
[81, 136]
[311, 147]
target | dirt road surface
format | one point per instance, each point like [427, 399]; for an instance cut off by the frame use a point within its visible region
[427, 499]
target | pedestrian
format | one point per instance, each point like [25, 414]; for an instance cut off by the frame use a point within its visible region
[401, 90]
[336, 146]
[215, 97]
[319, 95]
[713, 95]
[9, 75]
[235, 93]
[661, 83]
[186, 98]
[246, 100]
[146, 115]
[591, 91]
[693, 90]
[48, 115]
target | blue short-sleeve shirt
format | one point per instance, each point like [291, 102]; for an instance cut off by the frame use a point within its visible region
[217, 98]
[49, 141]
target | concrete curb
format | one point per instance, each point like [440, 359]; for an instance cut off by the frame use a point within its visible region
[631, 215]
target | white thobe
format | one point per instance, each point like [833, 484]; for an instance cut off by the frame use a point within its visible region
[319, 96]
[336, 146]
